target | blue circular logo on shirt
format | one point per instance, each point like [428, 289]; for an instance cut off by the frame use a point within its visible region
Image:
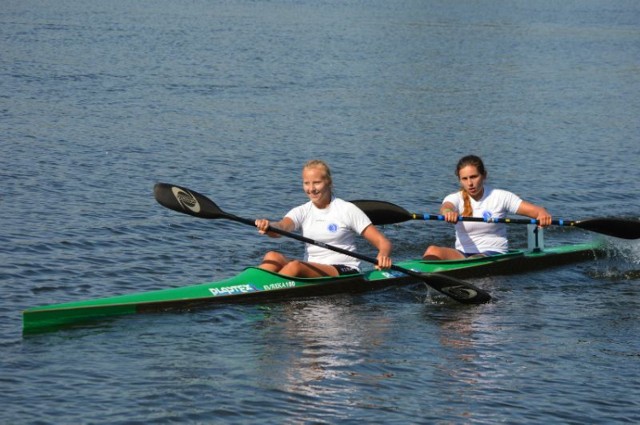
[332, 227]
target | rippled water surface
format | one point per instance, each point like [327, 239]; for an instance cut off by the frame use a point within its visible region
[100, 100]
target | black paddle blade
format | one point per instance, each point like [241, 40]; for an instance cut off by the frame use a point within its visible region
[618, 228]
[461, 291]
[382, 212]
[186, 201]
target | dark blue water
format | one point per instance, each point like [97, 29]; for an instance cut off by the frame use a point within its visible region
[100, 100]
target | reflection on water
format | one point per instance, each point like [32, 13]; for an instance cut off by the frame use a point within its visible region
[321, 344]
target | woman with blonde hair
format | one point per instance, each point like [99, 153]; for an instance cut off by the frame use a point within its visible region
[475, 199]
[326, 219]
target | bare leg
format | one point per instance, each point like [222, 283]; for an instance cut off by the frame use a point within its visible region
[273, 261]
[303, 269]
[276, 262]
[441, 253]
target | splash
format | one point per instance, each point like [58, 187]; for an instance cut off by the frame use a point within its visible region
[628, 251]
[622, 261]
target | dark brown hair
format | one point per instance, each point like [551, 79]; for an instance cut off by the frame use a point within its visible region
[473, 161]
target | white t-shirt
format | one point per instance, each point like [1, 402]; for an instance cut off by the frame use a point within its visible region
[475, 237]
[335, 225]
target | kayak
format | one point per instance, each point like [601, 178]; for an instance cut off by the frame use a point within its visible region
[257, 285]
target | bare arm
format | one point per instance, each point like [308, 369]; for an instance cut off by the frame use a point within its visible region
[449, 211]
[384, 246]
[534, 211]
[285, 224]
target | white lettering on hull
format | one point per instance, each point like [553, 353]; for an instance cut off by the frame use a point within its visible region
[247, 288]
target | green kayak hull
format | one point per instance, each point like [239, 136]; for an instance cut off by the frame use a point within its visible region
[256, 285]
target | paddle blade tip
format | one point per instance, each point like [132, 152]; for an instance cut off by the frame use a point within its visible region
[382, 212]
[186, 201]
[460, 290]
[615, 227]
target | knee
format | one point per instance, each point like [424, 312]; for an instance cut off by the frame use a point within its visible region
[274, 256]
[292, 268]
[432, 250]
[273, 261]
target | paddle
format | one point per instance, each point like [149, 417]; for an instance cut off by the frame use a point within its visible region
[189, 202]
[381, 212]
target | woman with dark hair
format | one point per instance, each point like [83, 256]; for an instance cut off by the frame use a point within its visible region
[475, 199]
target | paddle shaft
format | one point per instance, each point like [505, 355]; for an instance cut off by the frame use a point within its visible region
[491, 220]
[457, 289]
[323, 245]
[190, 202]
[618, 228]
[382, 212]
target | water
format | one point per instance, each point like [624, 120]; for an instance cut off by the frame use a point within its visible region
[100, 100]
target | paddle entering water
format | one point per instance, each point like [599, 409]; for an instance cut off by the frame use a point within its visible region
[187, 201]
[382, 212]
